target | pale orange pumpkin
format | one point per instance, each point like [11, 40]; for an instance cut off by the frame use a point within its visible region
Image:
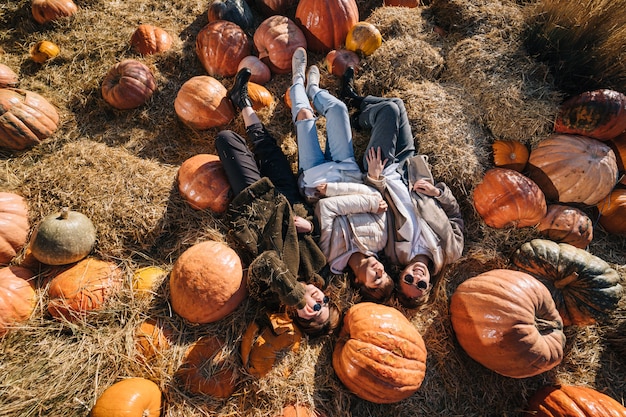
[568, 225]
[261, 73]
[364, 38]
[276, 39]
[48, 10]
[129, 397]
[150, 39]
[128, 84]
[338, 61]
[17, 296]
[8, 77]
[510, 154]
[220, 46]
[202, 103]
[325, 23]
[613, 212]
[14, 225]
[202, 182]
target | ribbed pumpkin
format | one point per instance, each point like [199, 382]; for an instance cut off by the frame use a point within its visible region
[63, 237]
[364, 38]
[613, 212]
[128, 84]
[510, 154]
[506, 320]
[44, 51]
[14, 225]
[379, 355]
[261, 73]
[565, 224]
[573, 169]
[206, 282]
[598, 114]
[276, 39]
[220, 46]
[570, 400]
[82, 288]
[150, 39]
[17, 296]
[236, 11]
[584, 287]
[206, 369]
[326, 23]
[338, 61]
[129, 397]
[152, 338]
[8, 77]
[26, 118]
[618, 144]
[202, 103]
[402, 3]
[202, 182]
[260, 96]
[48, 10]
[506, 198]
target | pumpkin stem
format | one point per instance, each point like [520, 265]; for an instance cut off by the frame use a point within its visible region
[566, 281]
[546, 326]
[65, 212]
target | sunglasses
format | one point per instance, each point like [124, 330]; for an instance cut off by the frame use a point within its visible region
[422, 285]
[318, 306]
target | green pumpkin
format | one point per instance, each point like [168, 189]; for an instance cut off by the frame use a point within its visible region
[236, 11]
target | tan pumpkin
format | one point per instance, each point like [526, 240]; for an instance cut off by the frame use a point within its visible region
[573, 169]
[510, 154]
[364, 38]
[325, 23]
[146, 279]
[206, 369]
[26, 118]
[129, 397]
[45, 11]
[276, 39]
[506, 320]
[8, 77]
[17, 296]
[202, 103]
[220, 46]
[338, 60]
[379, 355]
[202, 182]
[83, 288]
[570, 400]
[584, 287]
[14, 225]
[206, 282]
[260, 96]
[152, 338]
[63, 237]
[506, 198]
[44, 51]
[261, 73]
[565, 224]
[612, 211]
[128, 84]
[150, 39]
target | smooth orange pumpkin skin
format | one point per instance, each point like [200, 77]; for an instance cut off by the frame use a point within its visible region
[14, 225]
[495, 317]
[152, 338]
[567, 225]
[507, 198]
[570, 400]
[510, 154]
[150, 39]
[128, 84]
[202, 103]
[364, 38]
[17, 296]
[202, 182]
[44, 51]
[276, 39]
[260, 96]
[8, 77]
[613, 212]
[325, 23]
[26, 118]
[45, 11]
[338, 61]
[379, 355]
[220, 46]
[261, 73]
[129, 397]
[298, 411]
[206, 282]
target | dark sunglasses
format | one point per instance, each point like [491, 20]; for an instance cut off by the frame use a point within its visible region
[422, 285]
[318, 306]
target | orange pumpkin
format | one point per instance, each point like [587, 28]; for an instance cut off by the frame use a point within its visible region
[618, 144]
[128, 84]
[203, 183]
[26, 118]
[8, 77]
[206, 282]
[261, 73]
[260, 96]
[82, 288]
[506, 320]
[298, 411]
[48, 10]
[326, 23]
[151, 338]
[276, 39]
[338, 61]
[573, 169]
[145, 279]
[129, 397]
[17, 296]
[507, 198]
[613, 212]
[220, 46]
[149, 40]
[275, 7]
[510, 154]
[364, 38]
[379, 356]
[202, 103]
[570, 400]
[287, 98]
[402, 3]
[44, 51]
[14, 225]
[567, 225]
[206, 369]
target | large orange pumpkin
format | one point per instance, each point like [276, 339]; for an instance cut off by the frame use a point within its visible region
[129, 397]
[220, 46]
[510, 154]
[48, 10]
[573, 169]
[203, 183]
[507, 198]
[275, 7]
[276, 39]
[202, 103]
[128, 84]
[8, 77]
[149, 40]
[17, 296]
[506, 320]
[14, 225]
[206, 282]
[613, 212]
[565, 224]
[326, 23]
[570, 400]
[379, 355]
[26, 118]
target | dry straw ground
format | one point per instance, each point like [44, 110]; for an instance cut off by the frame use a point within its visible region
[463, 89]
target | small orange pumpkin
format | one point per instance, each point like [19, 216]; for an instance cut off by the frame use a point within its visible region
[48, 10]
[128, 84]
[149, 40]
[17, 296]
[510, 154]
[567, 225]
[44, 51]
[402, 3]
[202, 182]
[325, 23]
[363, 38]
[129, 397]
[202, 103]
[145, 279]
[14, 225]
[260, 96]
[151, 338]
[220, 46]
[338, 61]
[276, 39]
[298, 410]
[613, 212]
[570, 400]
[8, 77]
[261, 73]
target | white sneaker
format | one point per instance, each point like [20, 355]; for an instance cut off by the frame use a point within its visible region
[298, 65]
[312, 81]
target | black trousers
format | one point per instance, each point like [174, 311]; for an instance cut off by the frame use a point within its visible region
[245, 166]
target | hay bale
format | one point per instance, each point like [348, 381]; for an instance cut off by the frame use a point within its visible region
[396, 22]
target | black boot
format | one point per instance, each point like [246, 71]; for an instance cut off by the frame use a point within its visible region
[347, 94]
[238, 94]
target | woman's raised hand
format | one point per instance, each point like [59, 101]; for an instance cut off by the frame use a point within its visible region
[375, 163]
